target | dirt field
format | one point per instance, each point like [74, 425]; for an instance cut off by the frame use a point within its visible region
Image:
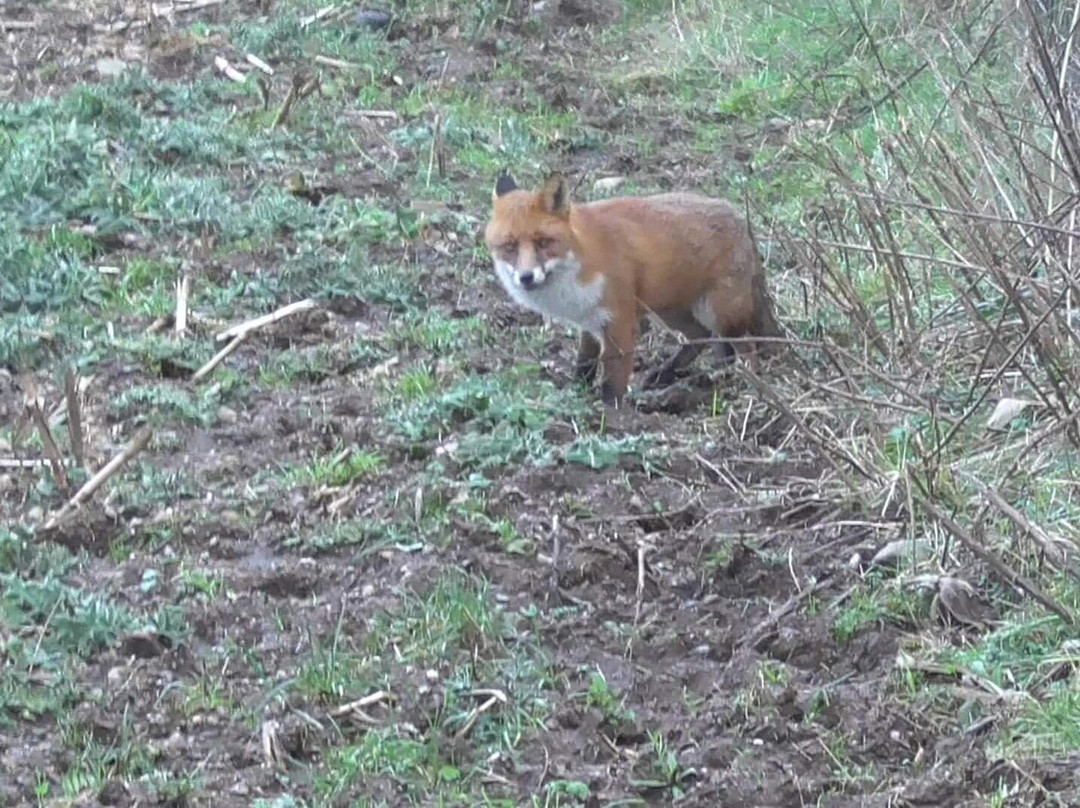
[388, 552]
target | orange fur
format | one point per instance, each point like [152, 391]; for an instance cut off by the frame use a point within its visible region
[688, 259]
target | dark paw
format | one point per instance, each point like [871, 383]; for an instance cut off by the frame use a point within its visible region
[608, 395]
[661, 377]
[585, 372]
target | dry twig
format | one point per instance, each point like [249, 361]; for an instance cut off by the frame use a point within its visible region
[359, 704]
[340, 64]
[256, 62]
[37, 415]
[267, 319]
[231, 72]
[989, 558]
[220, 356]
[1054, 552]
[74, 417]
[300, 89]
[494, 697]
[135, 445]
[168, 9]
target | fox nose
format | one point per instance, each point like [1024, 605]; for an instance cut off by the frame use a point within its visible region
[528, 279]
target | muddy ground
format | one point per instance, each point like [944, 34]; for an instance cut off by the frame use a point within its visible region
[703, 587]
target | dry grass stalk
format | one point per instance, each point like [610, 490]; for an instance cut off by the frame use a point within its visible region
[59, 413]
[826, 448]
[267, 319]
[134, 446]
[274, 755]
[18, 25]
[640, 593]
[33, 408]
[183, 294]
[300, 89]
[74, 417]
[439, 146]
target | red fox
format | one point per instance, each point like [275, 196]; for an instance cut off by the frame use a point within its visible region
[600, 266]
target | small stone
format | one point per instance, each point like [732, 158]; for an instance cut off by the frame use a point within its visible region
[115, 675]
[143, 645]
[240, 789]
[111, 67]
[227, 415]
[114, 792]
[432, 674]
[373, 18]
[608, 184]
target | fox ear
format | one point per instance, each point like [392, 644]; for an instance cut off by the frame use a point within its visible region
[504, 184]
[555, 196]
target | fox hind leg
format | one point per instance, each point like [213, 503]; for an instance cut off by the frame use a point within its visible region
[693, 330]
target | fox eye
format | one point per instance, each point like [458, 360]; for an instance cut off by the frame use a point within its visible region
[510, 247]
[543, 243]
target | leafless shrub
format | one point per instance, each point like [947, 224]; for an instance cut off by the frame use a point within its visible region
[940, 271]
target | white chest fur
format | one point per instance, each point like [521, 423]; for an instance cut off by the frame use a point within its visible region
[561, 295]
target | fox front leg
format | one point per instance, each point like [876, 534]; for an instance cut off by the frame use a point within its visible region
[588, 358]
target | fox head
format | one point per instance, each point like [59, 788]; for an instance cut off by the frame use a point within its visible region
[529, 235]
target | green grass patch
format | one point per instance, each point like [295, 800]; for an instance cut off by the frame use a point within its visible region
[335, 469]
[455, 630]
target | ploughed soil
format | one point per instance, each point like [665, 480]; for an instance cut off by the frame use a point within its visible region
[705, 589]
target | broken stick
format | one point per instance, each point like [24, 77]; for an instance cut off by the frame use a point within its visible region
[359, 704]
[266, 319]
[318, 15]
[220, 356]
[254, 60]
[166, 10]
[223, 65]
[341, 64]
